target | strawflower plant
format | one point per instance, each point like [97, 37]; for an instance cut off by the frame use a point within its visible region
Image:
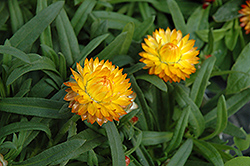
[124, 83]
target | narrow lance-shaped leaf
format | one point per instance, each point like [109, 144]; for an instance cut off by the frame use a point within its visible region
[23, 126]
[16, 16]
[62, 66]
[45, 37]
[155, 80]
[145, 118]
[4, 14]
[180, 157]
[242, 160]
[42, 63]
[50, 53]
[209, 152]
[142, 28]
[60, 152]
[29, 32]
[177, 16]
[155, 137]
[210, 42]
[90, 47]
[179, 130]
[239, 81]
[34, 107]
[81, 15]
[234, 103]
[115, 20]
[129, 28]
[113, 48]
[67, 38]
[229, 10]
[15, 52]
[201, 81]
[118, 157]
[198, 21]
[221, 123]
[196, 119]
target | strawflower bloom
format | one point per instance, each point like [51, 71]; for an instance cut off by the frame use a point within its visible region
[100, 92]
[169, 55]
[245, 19]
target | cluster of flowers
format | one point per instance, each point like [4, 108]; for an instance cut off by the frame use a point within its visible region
[100, 92]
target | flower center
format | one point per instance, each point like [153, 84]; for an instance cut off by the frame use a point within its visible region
[99, 88]
[169, 53]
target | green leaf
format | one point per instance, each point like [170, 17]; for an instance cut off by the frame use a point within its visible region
[145, 118]
[232, 35]
[67, 38]
[228, 11]
[15, 52]
[129, 28]
[210, 45]
[62, 66]
[93, 139]
[81, 15]
[240, 81]
[234, 103]
[50, 53]
[113, 48]
[118, 157]
[29, 32]
[25, 88]
[196, 119]
[45, 37]
[65, 128]
[238, 161]
[182, 154]
[142, 28]
[136, 67]
[177, 16]
[90, 47]
[155, 80]
[222, 117]
[155, 137]
[38, 63]
[92, 158]
[179, 130]
[209, 152]
[23, 126]
[34, 107]
[242, 144]
[60, 152]
[136, 144]
[4, 14]
[16, 16]
[115, 20]
[198, 21]
[8, 145]
[122, 60]
[201, 81]
[234, 131]
[217, 33]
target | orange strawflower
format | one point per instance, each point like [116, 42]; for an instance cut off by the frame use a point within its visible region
[100, 92]
[245, 19]
[169, 55]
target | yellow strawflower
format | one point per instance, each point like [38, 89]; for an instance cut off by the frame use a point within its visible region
[100, 92]
[169, 55]
[245, 19]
